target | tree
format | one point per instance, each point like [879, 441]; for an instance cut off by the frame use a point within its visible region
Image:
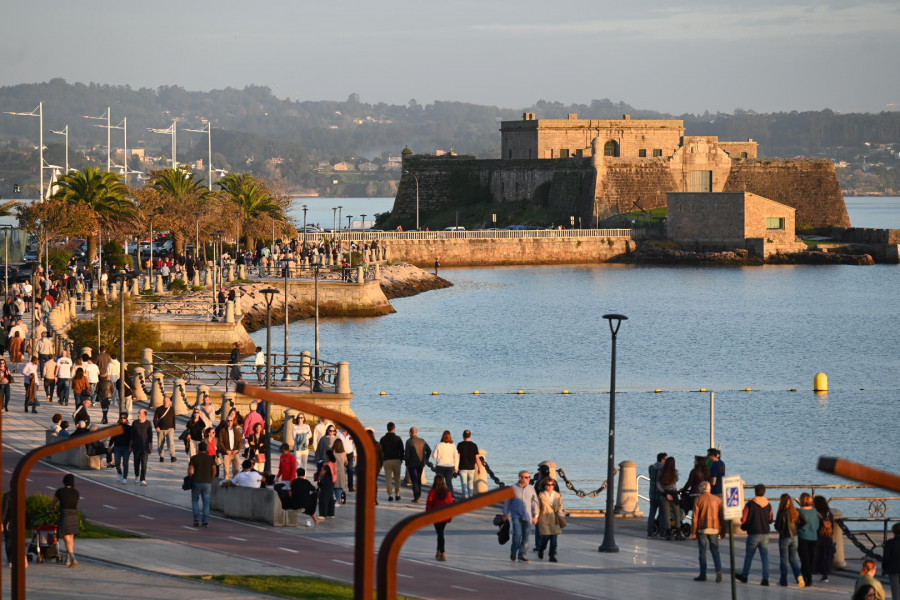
[182, 196]
[55, 218]
[104, 194]
[255, 204]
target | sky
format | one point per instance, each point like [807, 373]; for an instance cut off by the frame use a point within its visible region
[680, 56]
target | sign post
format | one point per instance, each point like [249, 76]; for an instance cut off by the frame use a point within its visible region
[732, 506]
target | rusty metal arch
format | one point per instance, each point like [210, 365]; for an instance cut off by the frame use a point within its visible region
[17, 501]
[389, 551]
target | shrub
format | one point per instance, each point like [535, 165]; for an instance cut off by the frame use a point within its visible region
[119, 260]
[59, 259]
[178, 287]
[139, 333]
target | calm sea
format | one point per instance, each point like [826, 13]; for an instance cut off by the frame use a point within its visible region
[539, 329]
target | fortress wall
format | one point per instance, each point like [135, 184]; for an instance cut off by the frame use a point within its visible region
[809, 185]
[516, 251]
[623, 181]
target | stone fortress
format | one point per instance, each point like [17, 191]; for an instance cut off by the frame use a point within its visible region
[596, 168]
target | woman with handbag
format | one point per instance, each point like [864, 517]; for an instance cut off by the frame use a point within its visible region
[80, 387]
[6, 377]
[551, 519]
[256, 447]
[667, 484]
[787, 521]
[823, 555]
[326, 477]
[440, 495]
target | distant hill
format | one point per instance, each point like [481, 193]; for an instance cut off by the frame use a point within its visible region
[255, 131]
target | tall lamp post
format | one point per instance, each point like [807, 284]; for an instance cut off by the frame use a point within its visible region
[287, 320]
[333, 219]
[39, 113]
[348, 223]
[363, 227]
[340, 209]
[609, 536]
[417, 197]
[107, 117]
[122, 278]
[65, 132]
[305, 208]
[269, 293]
[8, 231]
[197, 239]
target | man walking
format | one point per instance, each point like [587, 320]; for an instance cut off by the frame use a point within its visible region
[653, 527]
[392, 447]
[63, 377]
[234, 362]
[229, 443]
[417, 455]
[468, 454]
[755, 521]
[708, 527]
[164, 422]
[203, 469]
[522, 512]
[141, 445]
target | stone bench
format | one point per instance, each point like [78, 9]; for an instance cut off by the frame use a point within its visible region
[74, 457]
[251, 504]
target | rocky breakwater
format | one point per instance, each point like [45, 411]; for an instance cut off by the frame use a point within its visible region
[336, 298]
[671, 256]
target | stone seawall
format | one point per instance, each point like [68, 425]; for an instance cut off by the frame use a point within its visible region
[516, 251]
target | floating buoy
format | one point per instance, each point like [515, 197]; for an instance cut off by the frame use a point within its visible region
[565, 391]
[658, 391]
[434, 393]
[793, 389]
[383, 394]
[476, 392]
[520, 392]
[702, 389]
[820, 382]
[748, 390]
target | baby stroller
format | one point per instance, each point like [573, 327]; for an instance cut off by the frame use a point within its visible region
[675, 530]
[44, 544]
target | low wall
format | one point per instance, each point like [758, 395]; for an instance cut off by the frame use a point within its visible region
[200, 336]
[251, 504]
[516, 251]
[73, 457]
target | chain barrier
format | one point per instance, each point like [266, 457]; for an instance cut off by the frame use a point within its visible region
[869, 551]
[491, 474]
[579, 493]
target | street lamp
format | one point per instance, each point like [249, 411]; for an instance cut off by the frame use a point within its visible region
[6, 234]
[348, 222]
[106, 116]
[237, 242]
[152, 214]
[417, 197]
[317, 385]
[173, 131]
[363, 228]
[215, 277]
[340, 208]
[197, 240]
[269, 293]
[65, 132]
[39, 113]
[609, 538]
[287, 321]
[209, 168]
[122, 277]
[333, 219]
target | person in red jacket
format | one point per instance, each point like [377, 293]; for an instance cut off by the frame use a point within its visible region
[439, 496]
[287, 465]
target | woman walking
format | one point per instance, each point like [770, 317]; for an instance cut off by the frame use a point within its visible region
[446, 459]
[6, 378]
[806, 537]
[440, 495]
[301, 434]
[67, 498]
[80, 387]
[551, 518]
[326, 477]
[256, 447]
[194, 428]
[787, 521]
[340, 459]
[823, 555]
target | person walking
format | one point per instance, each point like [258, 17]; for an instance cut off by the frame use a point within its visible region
[551, 519]
[164, 423]
[202, 468]
[105, 393]
[707, 528]
[446, 459]
[755, 520]
[654, 521]
[867, 578]
[48, 372]
[6, 378]
[301, 434]
[29, 376]
[468, 457]
[121, 446]
[823, 555]
[522, 512]
[229, 443]
[394, 453]
[417, 455]
[67, 498]
[63, 377]
[787, 521]
[326, 477]
[440, 495]
[141, 445]
[890, 563]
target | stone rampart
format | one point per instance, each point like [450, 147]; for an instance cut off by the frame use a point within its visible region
[809, 185]
[514, 251]
[624, 182]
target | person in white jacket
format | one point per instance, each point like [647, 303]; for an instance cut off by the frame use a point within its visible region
[446, 459]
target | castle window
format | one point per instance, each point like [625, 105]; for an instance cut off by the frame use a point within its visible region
[642, 153]
[611, 148]
[743, 155]
[774, 222]
[657, 152]
[564, 153]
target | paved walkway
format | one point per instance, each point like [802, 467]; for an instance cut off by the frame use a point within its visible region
[477, 566]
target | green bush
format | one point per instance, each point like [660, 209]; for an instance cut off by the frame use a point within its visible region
[59, 259]
[178, 287]
[119, 260]
[139, 333]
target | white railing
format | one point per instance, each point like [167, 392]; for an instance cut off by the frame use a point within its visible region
[480, 234]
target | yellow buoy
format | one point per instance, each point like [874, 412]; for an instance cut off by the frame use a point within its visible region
[793, 389]
[383, 394]
[476, 392]
[702, 389]
[520, 392]
[658, 391]
[820, 383]
[565, 391]
[748, 390]
[434, 393]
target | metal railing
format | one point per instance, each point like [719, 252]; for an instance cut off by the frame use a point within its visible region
[479, 234]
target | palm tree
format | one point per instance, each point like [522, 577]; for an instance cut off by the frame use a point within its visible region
[253, 202]
[103, 192]
[185, 195]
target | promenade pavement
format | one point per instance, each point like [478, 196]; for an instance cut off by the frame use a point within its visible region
[477, 566]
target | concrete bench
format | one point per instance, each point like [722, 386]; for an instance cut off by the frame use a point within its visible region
[74, 457]
[251, 504]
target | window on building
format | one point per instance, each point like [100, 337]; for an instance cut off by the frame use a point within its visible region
[701, 181]
[774, 222]
[564, 153]
[657, 152]
[611, 148]
[550, 153]
[642, 153]
[743, 155]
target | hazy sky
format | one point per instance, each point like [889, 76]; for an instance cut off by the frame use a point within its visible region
[681, 56]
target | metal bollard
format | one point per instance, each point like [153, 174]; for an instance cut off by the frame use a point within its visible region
[627, 496]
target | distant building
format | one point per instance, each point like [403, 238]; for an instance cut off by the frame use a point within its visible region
[368, 167]
[344, 166]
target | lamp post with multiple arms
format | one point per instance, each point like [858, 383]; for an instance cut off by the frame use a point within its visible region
[333, 219]
[39, 113]
[173, 131]
[122, 278]
[269, 294]
[417, 196]
[340, 208]
[286, 376]
[209, 168]
[609, 537]
[305, 208]
[65, 132]
[107, 115]
[348, 222]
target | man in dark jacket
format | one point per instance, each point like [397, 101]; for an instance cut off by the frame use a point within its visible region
[141, 445]
[755, 521]
[164, 422]
[392, 446]
[417, 454]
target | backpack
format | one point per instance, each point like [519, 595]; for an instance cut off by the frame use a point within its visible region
[826, 529]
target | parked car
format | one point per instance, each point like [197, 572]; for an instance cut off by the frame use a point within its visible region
[19, 273]
[454, 228]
